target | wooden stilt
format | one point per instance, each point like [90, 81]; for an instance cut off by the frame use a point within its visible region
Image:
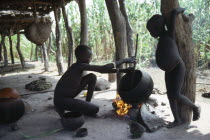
[59, 59]
[11, 50]
[19, 51]
[45, 56]
[69, 35]
[5, 53]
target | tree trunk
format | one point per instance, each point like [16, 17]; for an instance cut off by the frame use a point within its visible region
[19, 51]
[46, 60]
[129, 31]
[5, 52]
[119, 29]
[37, 56]
[32, 51]
[1, 48]
[84, 27]
[59, 58]
[41, 54]
[69, 35]
[1, 57]
[11, 50]
[49, 46]
[183, 34]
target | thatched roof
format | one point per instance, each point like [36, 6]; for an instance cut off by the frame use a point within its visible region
[42, 6]
[16, 15]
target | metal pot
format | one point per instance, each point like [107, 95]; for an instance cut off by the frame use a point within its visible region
[11, 110]
[72, 120]
[139, 91]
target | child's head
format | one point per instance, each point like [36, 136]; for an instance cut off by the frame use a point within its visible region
[83, 54]
[155, 25]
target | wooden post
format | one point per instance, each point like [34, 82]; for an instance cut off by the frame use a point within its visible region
[84, 27]
[69, 35]
[183, 33]
[11, 50]
[19, 51]
[129, 31]
[36, 53]
[119, 29]
[59, 58]
[45, 56]
[49, 46]
[41, 53]
[32, 51]
[1, 44]
[5, 52]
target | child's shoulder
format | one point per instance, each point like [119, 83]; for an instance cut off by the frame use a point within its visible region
[79, 65]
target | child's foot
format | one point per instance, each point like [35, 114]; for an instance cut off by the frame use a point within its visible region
[173, 124]
[196, 113]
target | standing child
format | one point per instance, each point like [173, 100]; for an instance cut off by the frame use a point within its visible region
[72, 82]
[169, 60]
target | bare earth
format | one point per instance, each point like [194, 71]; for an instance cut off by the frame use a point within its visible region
[41, 118]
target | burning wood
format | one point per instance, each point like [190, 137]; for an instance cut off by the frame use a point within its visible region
[121, 107]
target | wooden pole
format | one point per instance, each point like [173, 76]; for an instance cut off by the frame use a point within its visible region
[45, 56]
[5, 52]
[19, 51]
[84, 27]
[49, 46]
[119, 30]
[36, 53]
[11, 50]
[41, 53]
[59, 58]
[32, 51]
[1, 46]
[69, 35]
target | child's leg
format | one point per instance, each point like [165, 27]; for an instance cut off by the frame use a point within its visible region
[174, 82]
[77, 105]
[89, 80]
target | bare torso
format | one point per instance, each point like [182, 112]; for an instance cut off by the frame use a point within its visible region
[70, 81]
[167, 54]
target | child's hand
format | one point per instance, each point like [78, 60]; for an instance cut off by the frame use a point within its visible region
[178, 10]
[130, 60]
[128, 70]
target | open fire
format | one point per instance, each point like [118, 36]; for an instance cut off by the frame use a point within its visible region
[122, 108]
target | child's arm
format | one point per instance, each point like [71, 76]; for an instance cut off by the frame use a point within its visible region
[108, 68]
[174, 13]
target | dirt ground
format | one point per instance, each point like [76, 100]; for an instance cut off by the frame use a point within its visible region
[40, 117]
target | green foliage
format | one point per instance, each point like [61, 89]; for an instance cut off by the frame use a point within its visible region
[101, 36]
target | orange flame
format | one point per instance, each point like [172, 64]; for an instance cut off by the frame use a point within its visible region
[122, 108]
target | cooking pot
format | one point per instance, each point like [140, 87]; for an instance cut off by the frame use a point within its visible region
[11, 110]
[72, 120]
[139, 90]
